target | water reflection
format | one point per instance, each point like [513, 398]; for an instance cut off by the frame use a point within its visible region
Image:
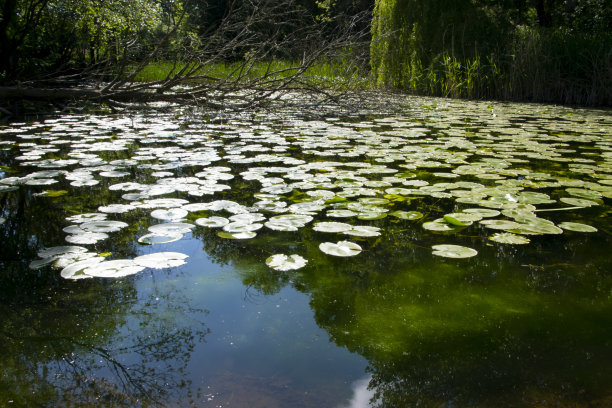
[515, 325]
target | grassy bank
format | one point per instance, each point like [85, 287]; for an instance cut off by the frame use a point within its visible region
[323, 73]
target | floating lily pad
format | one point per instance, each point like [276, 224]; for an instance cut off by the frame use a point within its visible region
[407, 215]
[160, 260]
[234, 227]
[364, 231]
[116, 208]
[482, 212]
[578, 202]
[212, 222]
[80, 218]
[247, 218]
[453, 251]
[341, 248]
[171, 227]
[86, 238]
[440, 225]
[113, 269]
[60, 250]
[341, 213]
[160, 238]
[576, 226]
[237, 235]
[333, 227]
[500, 224]
[74, 271]
[103, 226]
[64, 260]
[370, 216]
[509, 238]
[171, 214]
[282, 262]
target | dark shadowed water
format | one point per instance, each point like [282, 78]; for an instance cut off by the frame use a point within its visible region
[447, 254]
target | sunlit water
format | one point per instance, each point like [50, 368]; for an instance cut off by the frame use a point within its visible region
[448, 253]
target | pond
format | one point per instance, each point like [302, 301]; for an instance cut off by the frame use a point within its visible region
[445, 253]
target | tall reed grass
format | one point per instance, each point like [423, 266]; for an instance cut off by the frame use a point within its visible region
[537, 65]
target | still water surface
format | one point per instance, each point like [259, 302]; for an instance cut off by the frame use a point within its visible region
[448, 253]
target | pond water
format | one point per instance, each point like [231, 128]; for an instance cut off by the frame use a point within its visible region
[446, 253]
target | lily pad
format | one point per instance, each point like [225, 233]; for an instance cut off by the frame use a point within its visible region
[171, 214]
[408, 215]
[282, 262]
[509, 238]
[86, 238]
[341, 248]
[160, 238]
[171, 227]
[237, 235]
[103, 226]
[440, 225]
[74, 271]
[212, 222]
[453, 251]
[364, 231]
[333, 227]
[578, 202]
[113, 269]
[576, 226]
[160, 260]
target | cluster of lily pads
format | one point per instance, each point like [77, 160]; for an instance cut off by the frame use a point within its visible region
[481, 159]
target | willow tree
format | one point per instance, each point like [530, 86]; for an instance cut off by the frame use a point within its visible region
[409, 35]
[540, 50]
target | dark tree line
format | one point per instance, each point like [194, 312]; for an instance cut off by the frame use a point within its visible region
[98, 49]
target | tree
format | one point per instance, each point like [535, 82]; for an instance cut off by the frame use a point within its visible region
[541, 50]
[230, 48]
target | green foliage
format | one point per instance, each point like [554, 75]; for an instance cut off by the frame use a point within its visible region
[509, 50]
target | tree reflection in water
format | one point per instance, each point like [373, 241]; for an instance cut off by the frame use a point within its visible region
[91, 342]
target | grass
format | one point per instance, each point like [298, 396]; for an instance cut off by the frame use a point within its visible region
[537, 65]
[321, 73]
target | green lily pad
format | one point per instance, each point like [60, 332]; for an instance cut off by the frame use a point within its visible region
[407, 215]
[54, 193]
[171, 214]
[332, 227]
[341, 248]
[171, 227]
[160, 260]
[113, 269]
[500, 224]
[576, 226]
[212, 222]
[453, 251]
[103, 226]
[482, 212]
[160, 238]
[578, 202]
[75, 271]
[86, 238]
[364, 231]
[237, 235]
[509, 238]
[440, 225]
[282, 262]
